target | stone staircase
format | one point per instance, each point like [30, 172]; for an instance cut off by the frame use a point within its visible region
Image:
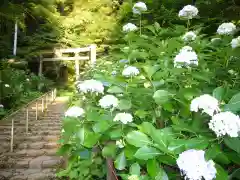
[34, 156]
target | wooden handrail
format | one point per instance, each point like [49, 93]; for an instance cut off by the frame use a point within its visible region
[45, 96]
[24, 106]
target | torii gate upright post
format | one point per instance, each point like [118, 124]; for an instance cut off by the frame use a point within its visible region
[93, 55]
[40, 66]
[77, 67]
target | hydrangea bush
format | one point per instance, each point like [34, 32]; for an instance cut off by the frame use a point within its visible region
[166, 107]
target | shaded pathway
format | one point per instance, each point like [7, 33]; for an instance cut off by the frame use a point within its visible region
[34, 156]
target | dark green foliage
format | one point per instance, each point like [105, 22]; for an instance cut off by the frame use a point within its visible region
[46, 24]
[18, 87]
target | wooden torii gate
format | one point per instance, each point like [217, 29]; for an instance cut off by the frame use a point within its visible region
[59, 57]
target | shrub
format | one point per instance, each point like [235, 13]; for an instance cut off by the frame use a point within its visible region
[177, 108]
[19, 87]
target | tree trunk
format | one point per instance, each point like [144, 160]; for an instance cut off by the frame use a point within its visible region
[111, 173]
[15, 39]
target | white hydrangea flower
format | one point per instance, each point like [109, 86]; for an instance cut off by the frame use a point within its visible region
[27, 79]
[108, 101]
[235, 42]
[225, 123]
[123, 61]
[133, 177]
[6, 85]
[129, 27]
[123, 117]
[139, 7]
[232, 72]
[226, 29]
[74, 112]
[207, 103]
[77, 82]
[130, 71]
[120, 143]
[120, 95]
[188, 12]
[186, 49]
[186, 57]
[189, 36]
[1, 106]
[194, 166]
[91, 86]
[103, 70]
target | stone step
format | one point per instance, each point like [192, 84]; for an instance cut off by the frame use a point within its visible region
[5, 147]
[22, 142]
[36, 176]
[27, 174]
[33, 136]
[34, 156]
[40, 162]
[37, 138]
[46, 128]
[51, 145]
[44, 123]
[31, 153]
[7, 132]
[5, 138]
[34, 129]
[18, 138]
[22, 117]
[9, 125]
[21, 126]
[46, 132]
[8, 128]
[28, 137]
[51, 138]
[51, 118]
[38, 145]
[31, 121]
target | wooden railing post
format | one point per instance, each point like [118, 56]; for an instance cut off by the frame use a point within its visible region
[52, 95]
[27, 120]
[49, 100]
[37, 110]
[93, 55]
[46, 101]
[12, 136]
[55, 93]
[42, 104]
